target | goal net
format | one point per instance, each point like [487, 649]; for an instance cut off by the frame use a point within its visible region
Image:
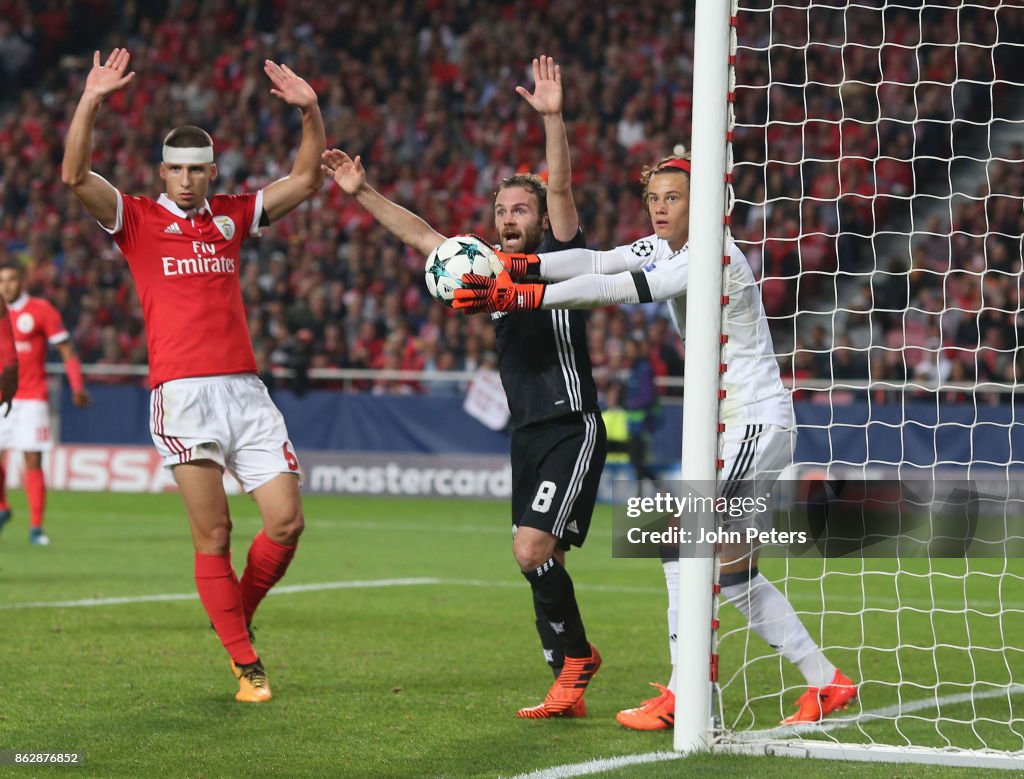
[877, 184]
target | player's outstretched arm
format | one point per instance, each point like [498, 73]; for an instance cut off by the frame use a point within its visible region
[305, 177]
[563, 265]
[480, 294]
[79, 394]
[409, 228]
[647, 284]
[546, 99]
[597, 291]
[570, 263]
[95, 192]
[654, 284]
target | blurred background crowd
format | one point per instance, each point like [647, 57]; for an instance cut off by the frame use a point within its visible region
[849, 145]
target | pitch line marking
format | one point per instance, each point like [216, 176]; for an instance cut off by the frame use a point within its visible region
[886, 712]
[173, 596]
[289, 589]
[589, 767]
[601, 765]
[907, 603]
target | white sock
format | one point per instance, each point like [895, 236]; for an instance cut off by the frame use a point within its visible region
[772, 617]
[672, 584]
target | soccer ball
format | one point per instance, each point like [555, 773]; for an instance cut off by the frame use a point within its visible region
[454, 257]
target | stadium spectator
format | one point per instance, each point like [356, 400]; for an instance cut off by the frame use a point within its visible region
[641, 404]
[441, 159]
[558, 438]
[209, 412]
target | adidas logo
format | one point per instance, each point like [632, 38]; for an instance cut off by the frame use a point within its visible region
[573, 527]
[173, 229]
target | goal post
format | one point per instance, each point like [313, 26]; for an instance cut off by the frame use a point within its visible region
[693, 726]
[868, 159]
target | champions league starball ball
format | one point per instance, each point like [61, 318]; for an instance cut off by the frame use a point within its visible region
[453, 258]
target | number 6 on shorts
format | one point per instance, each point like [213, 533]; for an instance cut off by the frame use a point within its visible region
[545, 493]
[289, 458]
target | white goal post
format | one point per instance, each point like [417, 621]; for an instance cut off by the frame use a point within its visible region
[693, 728]
[868, 158]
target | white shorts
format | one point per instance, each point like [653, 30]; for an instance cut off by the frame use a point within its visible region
[230, 420]
[754, 457]
[27, 427]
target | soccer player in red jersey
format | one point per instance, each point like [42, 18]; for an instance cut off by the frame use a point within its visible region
[37, 325]
[8, 362]
[209, 409]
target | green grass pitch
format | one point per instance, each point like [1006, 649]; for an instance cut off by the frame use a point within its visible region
[384, 679]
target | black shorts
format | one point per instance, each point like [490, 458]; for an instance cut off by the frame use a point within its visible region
[556, 469]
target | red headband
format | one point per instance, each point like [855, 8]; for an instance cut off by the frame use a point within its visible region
[678, 164]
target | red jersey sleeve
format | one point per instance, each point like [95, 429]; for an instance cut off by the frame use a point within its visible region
[246, 210]
[51, 323]
[130, 212]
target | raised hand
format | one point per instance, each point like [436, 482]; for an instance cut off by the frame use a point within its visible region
[109, 77]
[547, 87]
[289, 87]
[346, 172]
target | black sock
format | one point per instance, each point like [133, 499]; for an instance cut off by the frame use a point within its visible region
[555, 599]
[552, 643]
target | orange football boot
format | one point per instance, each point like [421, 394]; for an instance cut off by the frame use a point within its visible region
[253, 686]
[653, 714]
[566, 694]
[818, 702]
[578, 710]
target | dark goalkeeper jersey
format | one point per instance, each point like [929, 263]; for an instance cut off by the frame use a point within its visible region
[542, 357]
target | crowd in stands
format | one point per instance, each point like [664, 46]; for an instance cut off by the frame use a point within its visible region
[424, 91]
[865, 109]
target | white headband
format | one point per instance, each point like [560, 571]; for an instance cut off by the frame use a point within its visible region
[188, 155]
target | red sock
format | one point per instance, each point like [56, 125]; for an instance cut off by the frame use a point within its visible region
[35, 490]
[3, 487]
[267, 563]
[218, 590]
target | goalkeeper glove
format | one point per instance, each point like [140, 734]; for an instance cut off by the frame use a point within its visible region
[519, 265]
[480, 294]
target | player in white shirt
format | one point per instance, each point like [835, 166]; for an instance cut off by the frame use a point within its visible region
[757, 410]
